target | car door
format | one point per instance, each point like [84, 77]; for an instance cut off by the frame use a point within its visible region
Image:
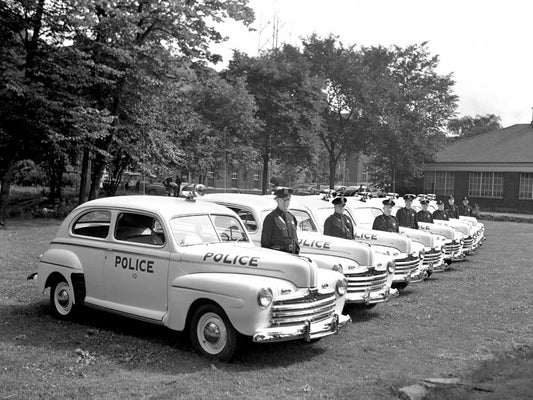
[136, 266]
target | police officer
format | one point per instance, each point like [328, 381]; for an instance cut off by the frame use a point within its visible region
[406, 216]
[440, 213]
[386, 222]
[451, 208]
[338, 224]
[424, 215]
[279, 227]
[465, 209]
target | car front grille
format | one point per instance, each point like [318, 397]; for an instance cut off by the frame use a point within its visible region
[372, 280]
[452, 248]
[298, 310]
[433, 257]
[406, 265]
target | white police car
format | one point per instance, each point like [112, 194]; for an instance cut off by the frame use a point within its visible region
[189, 266]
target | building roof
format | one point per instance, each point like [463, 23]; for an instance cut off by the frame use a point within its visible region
[513, 144]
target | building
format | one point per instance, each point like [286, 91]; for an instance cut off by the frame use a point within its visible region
[494, 169]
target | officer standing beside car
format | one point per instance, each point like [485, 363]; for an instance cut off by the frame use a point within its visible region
[279, 227]
[386, 222]
[440, 213]
[424, 215]
[465, 209]
[451, 208]
[406, 216]
[338, 224]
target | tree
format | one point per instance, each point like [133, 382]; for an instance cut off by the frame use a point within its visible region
[354, 81]
[287, 100]
[468, 126]
[418, 104]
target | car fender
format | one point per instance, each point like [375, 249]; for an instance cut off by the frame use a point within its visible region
[59, 261]
[236, 294]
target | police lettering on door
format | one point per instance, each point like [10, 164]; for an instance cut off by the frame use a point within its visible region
[135, 264]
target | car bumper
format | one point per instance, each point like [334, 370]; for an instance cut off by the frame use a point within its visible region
[368, 297]
[308, 332]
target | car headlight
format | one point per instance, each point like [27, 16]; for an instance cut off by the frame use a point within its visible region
[264, 297]
[338, 268]
[391, 267]
[341, 287]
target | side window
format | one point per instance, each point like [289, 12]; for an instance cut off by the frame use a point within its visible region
[229, 229]
[93, 224]
[139, 228]
[247, 219]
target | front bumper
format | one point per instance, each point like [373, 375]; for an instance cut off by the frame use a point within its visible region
[369, 297]
[308, 331]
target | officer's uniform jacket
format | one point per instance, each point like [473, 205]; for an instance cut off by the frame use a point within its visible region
[386, 223]
[407, 217]
[441, 214]
[465, 210]
[424, 216]
[453, 210]
[338, 225]
[279, 232]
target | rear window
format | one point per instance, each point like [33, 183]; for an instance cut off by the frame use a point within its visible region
[93, 224]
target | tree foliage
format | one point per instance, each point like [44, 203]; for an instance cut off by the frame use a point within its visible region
[467, 126]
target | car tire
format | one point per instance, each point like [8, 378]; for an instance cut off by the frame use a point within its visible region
[212, 334]
[400, 285]
[62, 299]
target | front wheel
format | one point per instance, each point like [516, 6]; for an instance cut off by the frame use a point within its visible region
[62, 300]
[212, 334]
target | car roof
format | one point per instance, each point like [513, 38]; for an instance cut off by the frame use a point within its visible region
[312, 202]
[253, 200]
[162, 205]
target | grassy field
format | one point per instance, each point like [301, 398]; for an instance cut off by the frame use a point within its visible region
[474, 321]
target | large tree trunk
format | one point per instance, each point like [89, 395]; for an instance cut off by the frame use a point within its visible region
[266, 184]
[96, 176]
[85, 168]
[4, 190]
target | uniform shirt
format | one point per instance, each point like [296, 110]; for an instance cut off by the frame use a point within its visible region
[441, 214]
[465, 210]
[386, 223]
[453, 210]
[407, 217]
[338, 225]
[279, 232]
[424, 216]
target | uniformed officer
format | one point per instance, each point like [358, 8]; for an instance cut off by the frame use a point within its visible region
[386, 222]
[279, 227]
[451, 208]
[338, 224]
[465, 209]
[406, 216]
[424, 215]
[440, 213]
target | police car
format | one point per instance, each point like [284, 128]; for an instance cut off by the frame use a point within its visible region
[189, 266]
[369, 274]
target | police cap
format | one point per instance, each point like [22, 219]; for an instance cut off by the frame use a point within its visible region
[283, 192]
[451, 197]
[409, 197]
[465, 198]
[440, 202]
[424, 201]
[339, 200]
[388, 202]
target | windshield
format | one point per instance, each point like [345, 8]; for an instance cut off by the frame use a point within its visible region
[365, 216]
[303, 219]
[198, 229]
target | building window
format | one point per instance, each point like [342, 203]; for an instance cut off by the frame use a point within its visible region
[210, 179]
[439, 182]
[234, 180]
[256, 180]
[526, 186]
[485, 184]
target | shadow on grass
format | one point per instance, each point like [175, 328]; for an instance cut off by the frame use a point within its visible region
[134, 344]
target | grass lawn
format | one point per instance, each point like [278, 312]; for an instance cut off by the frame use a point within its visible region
[474, 321]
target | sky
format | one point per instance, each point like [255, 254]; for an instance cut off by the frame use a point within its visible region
[486, 45]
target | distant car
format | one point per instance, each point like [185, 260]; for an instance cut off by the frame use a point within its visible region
[189, 266]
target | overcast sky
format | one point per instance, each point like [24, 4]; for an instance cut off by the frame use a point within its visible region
[487, 45]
